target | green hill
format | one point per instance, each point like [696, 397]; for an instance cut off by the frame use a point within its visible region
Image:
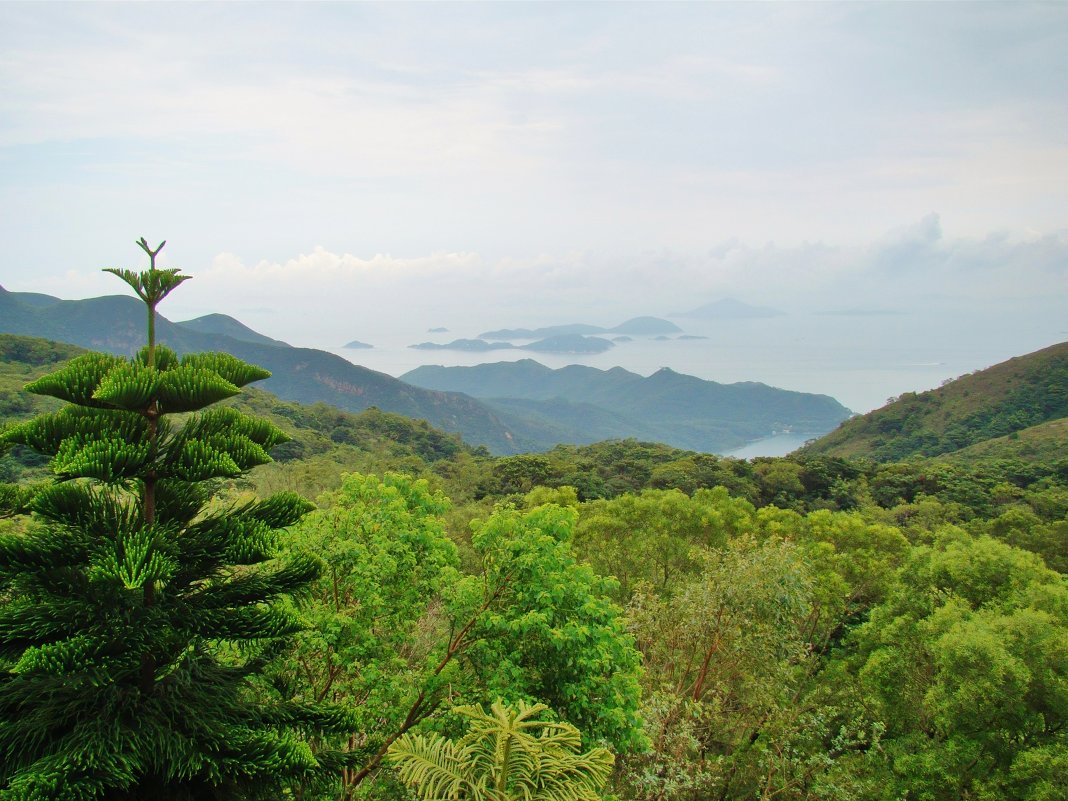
[680, 410]
[326, 441]
[583, 404]
[1000, 401]
[228, 326]
[115, 324]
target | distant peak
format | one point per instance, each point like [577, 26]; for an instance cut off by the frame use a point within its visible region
[730, 309]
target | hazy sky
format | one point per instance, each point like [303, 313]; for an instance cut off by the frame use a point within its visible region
[328, 170]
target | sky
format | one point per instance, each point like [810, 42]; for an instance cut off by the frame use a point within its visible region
[331, 171]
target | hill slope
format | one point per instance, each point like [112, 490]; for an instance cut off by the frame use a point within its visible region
[115, 324]
[1046, 442]
[1009, 397]
[668, 407]
[573, 405]
[326, 441]
[228, 326]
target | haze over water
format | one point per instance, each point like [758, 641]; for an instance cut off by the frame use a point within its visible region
[860, 361]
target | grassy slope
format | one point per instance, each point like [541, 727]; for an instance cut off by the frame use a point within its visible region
[22, 359]
[1046, 442]
[1009, 397]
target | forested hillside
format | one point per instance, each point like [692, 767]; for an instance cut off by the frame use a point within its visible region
[593, 404]
[1000, 401]
[814, 627]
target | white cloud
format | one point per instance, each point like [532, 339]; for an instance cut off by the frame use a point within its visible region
[318, 296]
[558, 150]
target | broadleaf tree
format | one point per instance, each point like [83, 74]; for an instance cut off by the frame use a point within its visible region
[399, 633]
[132, 613]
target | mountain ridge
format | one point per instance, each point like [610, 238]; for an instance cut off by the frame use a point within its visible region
[676, 409]
[115, 324]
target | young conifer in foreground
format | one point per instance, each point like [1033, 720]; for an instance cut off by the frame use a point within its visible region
[132, 615]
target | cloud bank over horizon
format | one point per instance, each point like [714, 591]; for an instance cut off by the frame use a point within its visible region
[326, 171]
[316, 298]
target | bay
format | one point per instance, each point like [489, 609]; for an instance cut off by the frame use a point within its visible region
[775, 445]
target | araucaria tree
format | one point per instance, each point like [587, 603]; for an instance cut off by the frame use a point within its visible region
[133, 612]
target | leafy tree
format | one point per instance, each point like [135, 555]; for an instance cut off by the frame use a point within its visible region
[967, 665]
[514, 475]
[377, 639]
[650, 537]
[1024, 529]
[721, 659]
[551, 633]
[134, 611]
[507, 755]
[398, 633]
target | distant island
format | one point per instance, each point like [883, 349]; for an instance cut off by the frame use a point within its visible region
[570, 343]
[561, 343]
[641, 326]
[357, 345]
[437, 330]
[476, 345]
[691, 336]
[730, 309]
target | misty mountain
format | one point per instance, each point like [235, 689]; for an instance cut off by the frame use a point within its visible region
[521, 406]
[228, 326]
[730, 309]
[668, 407]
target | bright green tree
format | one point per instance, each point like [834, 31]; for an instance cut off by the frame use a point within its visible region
[544, 627]
[506, 755]
[398, 633]
[133, 611]
[967, 664]
[651, 537]
[378, 639]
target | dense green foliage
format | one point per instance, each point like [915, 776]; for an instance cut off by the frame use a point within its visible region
[812, 627]
[398, 630]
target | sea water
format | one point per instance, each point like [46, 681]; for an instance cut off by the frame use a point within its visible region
[860, 361]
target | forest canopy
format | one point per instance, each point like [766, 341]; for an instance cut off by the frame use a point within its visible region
[679, 625]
